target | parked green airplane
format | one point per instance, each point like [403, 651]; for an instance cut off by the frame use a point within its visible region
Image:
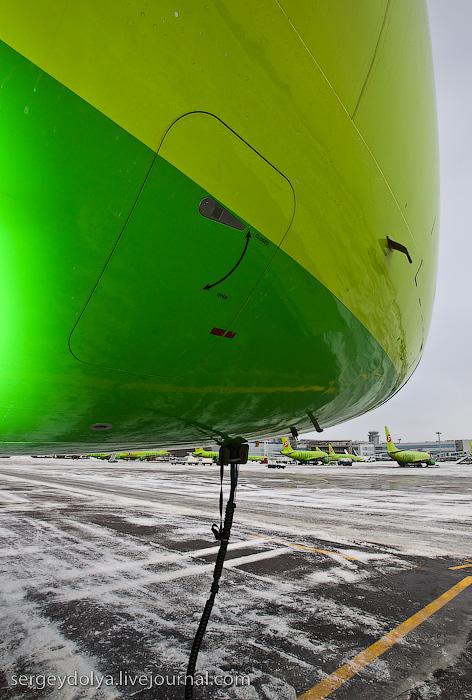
[205, 454]
[303, 456]
[404, 457]
[342, 457]
[131, 455]
[178, 183]
[200, 452]
[143, 456]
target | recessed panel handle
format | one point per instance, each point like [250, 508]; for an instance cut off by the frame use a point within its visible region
[211, 209]
[393, 245]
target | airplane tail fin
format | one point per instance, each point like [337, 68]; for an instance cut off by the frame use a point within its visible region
[330, 450]
[287, 448]
[390, 446]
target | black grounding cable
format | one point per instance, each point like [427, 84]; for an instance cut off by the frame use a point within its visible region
[222, 534]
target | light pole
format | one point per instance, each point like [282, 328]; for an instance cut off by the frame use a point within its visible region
[439, 440]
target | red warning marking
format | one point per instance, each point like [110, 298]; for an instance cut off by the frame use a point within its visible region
[222, 331]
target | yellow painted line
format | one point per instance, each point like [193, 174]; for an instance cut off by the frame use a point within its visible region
[302, 546]
[462, 566]
[336, 679]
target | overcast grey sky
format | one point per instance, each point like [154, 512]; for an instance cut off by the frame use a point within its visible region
[438, 397]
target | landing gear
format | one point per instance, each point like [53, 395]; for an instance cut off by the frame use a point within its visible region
[234, 455]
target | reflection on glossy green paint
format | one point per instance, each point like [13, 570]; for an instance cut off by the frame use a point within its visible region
[58, 158]
[10, 309]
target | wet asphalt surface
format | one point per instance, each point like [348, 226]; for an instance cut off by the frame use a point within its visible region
[105, 569]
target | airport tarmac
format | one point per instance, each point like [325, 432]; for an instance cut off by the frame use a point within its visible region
[351, 583]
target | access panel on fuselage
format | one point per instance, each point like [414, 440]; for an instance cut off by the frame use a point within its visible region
[204, 228]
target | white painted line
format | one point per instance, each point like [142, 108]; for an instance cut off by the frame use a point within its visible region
[9, 497]
[99, 590]
[110, 496]
[149, 561]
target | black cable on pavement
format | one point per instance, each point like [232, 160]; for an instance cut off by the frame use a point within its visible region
[221, 534]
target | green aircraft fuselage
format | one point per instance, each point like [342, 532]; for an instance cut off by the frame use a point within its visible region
[153, 453]
[200, 452]
[317, 456]
[132, 455]
[337, 456]
[215, 224]
[334, 457]
[146, 453]
[205, 454]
